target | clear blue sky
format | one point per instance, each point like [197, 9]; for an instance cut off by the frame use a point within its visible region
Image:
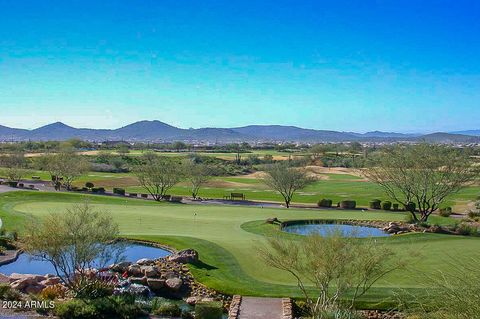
[390, 65]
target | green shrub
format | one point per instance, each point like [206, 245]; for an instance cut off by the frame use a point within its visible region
[75, 309]
[133, 194]
[387, 205]
[176, 199]
[348, 204]
[167, 309]
[325, 203]
[119, 191]
[89, 185]
[99, 190]
[11, 235]
[445, 212]
[123, 307]
[374, 204]
[93, 288]
[410, 206]
[144, 195]
[467, 230]
[6, 241]
[395, 207]
[473, 214]
[209, 310]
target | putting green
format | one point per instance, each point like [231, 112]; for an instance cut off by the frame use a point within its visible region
[228, 249]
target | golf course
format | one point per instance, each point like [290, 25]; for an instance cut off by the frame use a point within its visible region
[227, 238]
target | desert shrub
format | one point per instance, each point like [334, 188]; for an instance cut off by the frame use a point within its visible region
[99, 190]
[167, 309]
[445, 212]
[21, 185]
[395, 206]
[4, 288]
[11, 235]
[89, 185]
[2, 250]
[75, 309]
[467, 230]
[387, 205]
[209, 310]
[374, 204]
[166, 197]
[110, 307]
[119, 191]
[325, 203]
[6, 242]
[473, 214]
[348, 204]
[144, 195]
[176, 199]
[133, 194]
[53, 292]
[12, 184]
[93, 288]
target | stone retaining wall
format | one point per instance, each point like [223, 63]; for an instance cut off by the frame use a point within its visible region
[234, 307]
[287, 308]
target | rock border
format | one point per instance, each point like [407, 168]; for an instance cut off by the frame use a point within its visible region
[287, 308]
[234, 310]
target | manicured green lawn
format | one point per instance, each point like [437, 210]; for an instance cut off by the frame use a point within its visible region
[226, 238]
[336, 187]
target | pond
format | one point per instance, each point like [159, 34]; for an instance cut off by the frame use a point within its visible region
[26, 265]
[345, 229]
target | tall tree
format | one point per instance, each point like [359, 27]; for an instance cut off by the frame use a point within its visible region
[74, 242]
[286, 180]
[15, 165]
[65, 167]
[421, 176]
[158, 175]
[197, 175]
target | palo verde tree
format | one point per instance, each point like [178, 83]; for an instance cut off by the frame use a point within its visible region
[422, 176]
[158, 174]
[15, 166]
[197, 175]
[341, 269]
[286, 180]
[65, 167]
[74, 242]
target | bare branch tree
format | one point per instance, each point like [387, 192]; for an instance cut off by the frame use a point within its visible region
[197, 175]
[422, 174]
[286, 180]
[158, 175]
[340, 269]
[74, 242]
[65, 167]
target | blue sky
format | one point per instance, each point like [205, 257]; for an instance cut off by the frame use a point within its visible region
[409, 66]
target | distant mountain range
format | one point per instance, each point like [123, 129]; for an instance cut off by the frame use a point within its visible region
[156, 131]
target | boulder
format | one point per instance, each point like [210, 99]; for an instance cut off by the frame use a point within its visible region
[149, 271]
[14, 277]
[120, 267]
[174, 283]
[144, 261]
[187, 256]
[34, 289]
[138, 280]
[51, 281]
[193, 300]
[135, 270]
[155, 284]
